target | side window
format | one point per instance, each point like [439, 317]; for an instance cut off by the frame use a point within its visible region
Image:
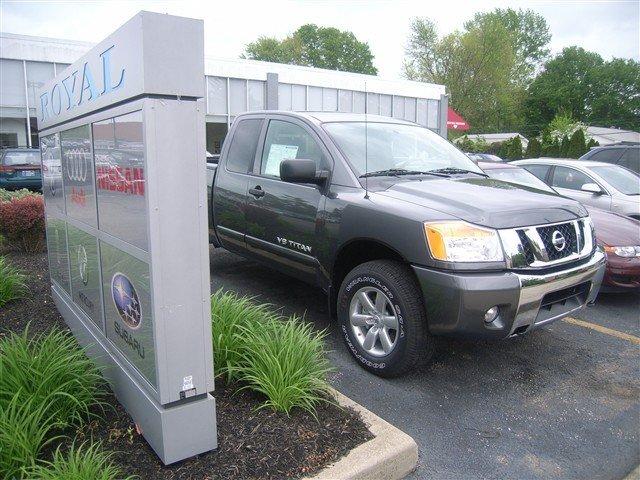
[286, 141]
[243, 146]
[565, 177]
[609, 155]
[539, 171]
[631, 159]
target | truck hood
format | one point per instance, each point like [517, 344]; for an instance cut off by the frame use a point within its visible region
[486, 201]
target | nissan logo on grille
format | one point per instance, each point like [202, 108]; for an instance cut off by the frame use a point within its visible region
[558, 240]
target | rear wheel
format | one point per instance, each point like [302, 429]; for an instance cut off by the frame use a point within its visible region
[382, 318]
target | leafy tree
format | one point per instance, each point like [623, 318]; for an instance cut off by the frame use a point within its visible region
[582, 85]
[577, 144]
[315, 46]
[530, 37]
[534, 149]
[473, 146]
[515, 152]
[476, 65]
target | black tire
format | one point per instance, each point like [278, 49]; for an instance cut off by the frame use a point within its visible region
[413, 345]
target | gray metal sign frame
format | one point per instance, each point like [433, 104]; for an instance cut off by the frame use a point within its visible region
[166, 388]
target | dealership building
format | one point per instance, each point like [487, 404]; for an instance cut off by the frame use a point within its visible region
[232, 86]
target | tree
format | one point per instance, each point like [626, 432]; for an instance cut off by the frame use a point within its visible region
[582, 85]
[315, 46]
[577, 144]
[530, 37]
[515, 152]
[476, 66]
[534, 149]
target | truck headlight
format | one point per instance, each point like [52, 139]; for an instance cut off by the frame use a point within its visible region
[627, 252]
[459, 241]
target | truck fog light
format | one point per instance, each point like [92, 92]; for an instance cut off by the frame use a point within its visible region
[491, 314]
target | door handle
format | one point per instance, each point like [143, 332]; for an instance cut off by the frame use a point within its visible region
[257, 191]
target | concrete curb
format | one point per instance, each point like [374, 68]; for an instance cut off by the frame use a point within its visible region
[391, 455]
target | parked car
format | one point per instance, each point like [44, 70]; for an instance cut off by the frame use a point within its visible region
[20, 168]
[408, 237]
[484, 157]
[625, 155]
[599, 184]
[618, 236]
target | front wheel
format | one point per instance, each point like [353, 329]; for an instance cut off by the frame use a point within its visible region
[382, 318]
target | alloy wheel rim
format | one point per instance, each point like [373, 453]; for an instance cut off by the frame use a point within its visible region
[374, 321]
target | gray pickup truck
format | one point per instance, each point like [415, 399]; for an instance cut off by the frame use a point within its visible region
[408, 238]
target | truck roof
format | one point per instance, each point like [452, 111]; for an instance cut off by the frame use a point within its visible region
[325, 117]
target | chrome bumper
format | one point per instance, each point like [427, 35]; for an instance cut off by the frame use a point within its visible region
[534, 288]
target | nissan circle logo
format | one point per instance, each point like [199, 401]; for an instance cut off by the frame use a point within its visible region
[77, 165]
[558, 240]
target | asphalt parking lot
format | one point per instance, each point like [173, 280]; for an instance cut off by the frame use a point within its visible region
[562, 402]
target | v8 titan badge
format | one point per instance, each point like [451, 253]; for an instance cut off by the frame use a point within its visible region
[126, 301]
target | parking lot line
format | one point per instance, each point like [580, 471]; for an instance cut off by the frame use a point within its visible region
[605, 330]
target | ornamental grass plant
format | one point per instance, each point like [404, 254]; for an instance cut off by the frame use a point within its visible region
[50, 370]
[12, 282]
[84, 462]
[283, 359]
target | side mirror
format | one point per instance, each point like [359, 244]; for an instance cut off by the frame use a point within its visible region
[592, 188]
[301, 170]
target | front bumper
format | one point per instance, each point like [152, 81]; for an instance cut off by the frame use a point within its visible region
[622, 273]
[456, 303]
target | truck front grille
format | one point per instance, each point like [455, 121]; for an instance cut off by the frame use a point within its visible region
[543, 246]
[568, 234]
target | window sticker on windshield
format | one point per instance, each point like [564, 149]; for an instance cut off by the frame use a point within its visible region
[278, 153]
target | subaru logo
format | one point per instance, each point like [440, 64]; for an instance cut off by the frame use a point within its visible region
[125, 298]
[558, 240]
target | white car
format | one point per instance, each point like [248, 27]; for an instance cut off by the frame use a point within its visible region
[599, 184]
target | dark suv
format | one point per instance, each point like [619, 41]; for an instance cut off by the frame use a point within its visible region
[20, 168]
[627, 155]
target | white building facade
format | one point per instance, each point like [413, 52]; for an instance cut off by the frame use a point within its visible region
[233, 86]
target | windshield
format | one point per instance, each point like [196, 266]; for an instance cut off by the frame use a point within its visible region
[394, 146]
[622, 180]
[22, 158]
[519, 176]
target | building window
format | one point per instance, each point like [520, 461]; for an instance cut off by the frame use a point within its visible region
[217, 95]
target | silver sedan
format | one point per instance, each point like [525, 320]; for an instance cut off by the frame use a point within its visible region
[599, 184]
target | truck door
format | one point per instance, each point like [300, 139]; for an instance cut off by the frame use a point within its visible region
[282, 217]
[231, 183]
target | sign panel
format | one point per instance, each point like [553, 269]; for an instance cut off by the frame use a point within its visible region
[125, 202]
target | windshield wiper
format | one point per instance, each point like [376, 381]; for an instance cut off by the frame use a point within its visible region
[396, 172]
[454, 170]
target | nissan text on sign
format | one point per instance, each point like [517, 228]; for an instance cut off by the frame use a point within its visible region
[127, 229]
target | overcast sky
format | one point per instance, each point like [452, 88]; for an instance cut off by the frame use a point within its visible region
[610, 27]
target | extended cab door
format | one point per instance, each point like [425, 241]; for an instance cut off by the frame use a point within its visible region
[282, 218]
[232, 180]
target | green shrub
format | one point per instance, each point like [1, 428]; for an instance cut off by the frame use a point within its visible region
[285, 360]
[86, 462]
[50, 371]
[22, 223]
[25, 427]
[12, 282]
[229, 313]
[6, 195]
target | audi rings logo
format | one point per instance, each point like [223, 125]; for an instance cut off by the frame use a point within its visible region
[77, 165]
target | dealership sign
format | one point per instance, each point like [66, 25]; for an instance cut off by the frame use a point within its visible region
[124, 183]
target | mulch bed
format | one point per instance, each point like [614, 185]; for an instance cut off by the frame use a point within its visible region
[252, 444]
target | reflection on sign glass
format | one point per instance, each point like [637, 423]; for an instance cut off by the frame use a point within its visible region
[85, 275]
[57, 249]
[128, 315]
[52, 173]
[120, 178]
[77, 169]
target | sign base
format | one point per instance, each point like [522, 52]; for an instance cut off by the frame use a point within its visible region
[174, 431]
